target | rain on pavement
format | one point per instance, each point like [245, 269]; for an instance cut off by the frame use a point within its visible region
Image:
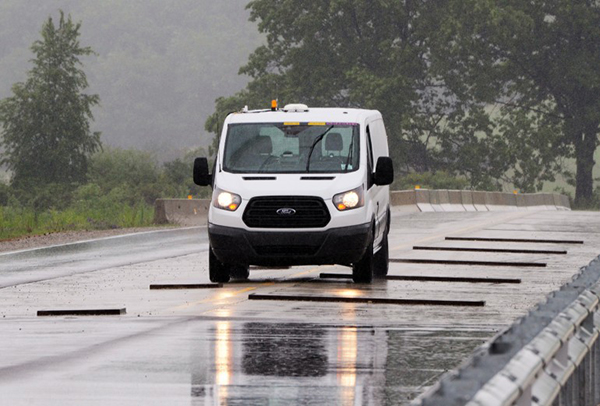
[214, 345]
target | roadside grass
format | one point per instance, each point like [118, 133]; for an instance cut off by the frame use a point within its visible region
[21, 222]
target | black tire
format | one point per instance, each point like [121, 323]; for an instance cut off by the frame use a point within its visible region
[381, 259]
[239, 272]
[362, 271]
[217, 271]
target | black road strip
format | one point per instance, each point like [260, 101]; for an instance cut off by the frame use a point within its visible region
[372, 300]
[426, 278]
[157, 286]
[325, 275]
[458, 262]
[423, 278]
[82, 312]
[514, 240]
[502, 250]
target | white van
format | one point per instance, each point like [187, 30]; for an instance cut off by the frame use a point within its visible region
[299, 186]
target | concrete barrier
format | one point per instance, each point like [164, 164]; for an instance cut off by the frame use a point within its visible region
[444, 197]
[521, 201]
[510, 199]
[423, 202]
[479, 200]
[566, 203]
[456, 204]
[434, 200]
[494, 201]
[188, 212]
[191, 212]
[557, 201]
[467, 200]
[406, 200]
[535, 202]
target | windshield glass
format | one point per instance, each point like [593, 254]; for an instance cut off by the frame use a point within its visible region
[291, 148]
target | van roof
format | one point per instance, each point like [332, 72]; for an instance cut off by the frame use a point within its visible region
[314, 114]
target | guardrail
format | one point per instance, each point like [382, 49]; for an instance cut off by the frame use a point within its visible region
[549, 357]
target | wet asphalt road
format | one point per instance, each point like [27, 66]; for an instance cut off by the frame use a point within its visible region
[63, 260]
[215, 346]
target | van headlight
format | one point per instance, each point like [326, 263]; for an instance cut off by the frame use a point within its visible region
[226, 200]
[351, 199]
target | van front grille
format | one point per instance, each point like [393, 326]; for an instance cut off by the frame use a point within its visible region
[286, 212]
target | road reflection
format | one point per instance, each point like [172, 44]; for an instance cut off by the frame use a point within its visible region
[258, 363]
[286, 363]
[347, 352]
[223, 353]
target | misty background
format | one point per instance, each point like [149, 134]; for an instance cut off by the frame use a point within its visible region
[159, 67]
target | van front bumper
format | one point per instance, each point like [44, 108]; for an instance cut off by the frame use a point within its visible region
[343, 246]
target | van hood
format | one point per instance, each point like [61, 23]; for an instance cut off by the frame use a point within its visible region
[298, 184]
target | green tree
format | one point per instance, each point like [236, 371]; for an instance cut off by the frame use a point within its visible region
[46, 123]
[539, 61]
[371, 55]
[346, 53]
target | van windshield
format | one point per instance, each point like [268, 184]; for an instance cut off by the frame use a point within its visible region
[291, 148]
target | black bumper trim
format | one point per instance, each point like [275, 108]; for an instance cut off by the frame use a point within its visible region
[344, 246]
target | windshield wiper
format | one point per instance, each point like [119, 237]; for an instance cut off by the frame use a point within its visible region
[312, 148]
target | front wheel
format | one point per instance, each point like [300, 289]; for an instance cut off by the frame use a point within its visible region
[217, 271]
[362, 271]
[239, 272]
[381, 260]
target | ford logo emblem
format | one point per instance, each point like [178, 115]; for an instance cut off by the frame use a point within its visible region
[286, 211]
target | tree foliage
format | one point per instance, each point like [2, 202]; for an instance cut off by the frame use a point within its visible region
[46, 123]
[371, 55]
[539, 61]
[344, 53]
[497, 91]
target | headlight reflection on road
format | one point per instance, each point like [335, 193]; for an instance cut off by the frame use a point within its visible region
[349, 292]
[346, 354]
[223, 355]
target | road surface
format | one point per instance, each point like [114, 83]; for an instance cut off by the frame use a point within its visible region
[383, 344]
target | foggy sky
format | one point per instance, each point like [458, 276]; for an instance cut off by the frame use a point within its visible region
[159, 68]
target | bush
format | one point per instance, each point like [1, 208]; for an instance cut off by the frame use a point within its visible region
[4, 194]
[121, 190]
[129, 175]
[40, 197]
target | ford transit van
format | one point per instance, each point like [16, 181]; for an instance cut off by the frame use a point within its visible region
[299, 186]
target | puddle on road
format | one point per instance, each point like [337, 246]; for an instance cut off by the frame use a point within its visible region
[236, 363]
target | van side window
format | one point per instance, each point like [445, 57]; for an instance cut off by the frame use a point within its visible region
[369, 159]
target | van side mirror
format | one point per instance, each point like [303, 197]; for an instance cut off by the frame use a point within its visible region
[201, 175]
[384, 171]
